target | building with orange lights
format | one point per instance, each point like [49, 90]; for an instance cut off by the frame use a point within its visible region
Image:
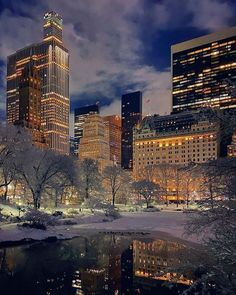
[232, 147]
[175, 139]
[114, 131]
[51, 59]
[95, 141]
[204, 72]
[30, 104]
[159, 260]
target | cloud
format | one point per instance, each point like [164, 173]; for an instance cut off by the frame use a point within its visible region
[106, 45]
[210, 15]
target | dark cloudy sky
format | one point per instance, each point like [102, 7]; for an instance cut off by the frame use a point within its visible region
[115, 45]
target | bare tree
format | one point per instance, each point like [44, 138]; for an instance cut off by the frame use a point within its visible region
[146, 189]
[216, 223]
[115, 177]
[89, 178]
[177, 181]
[38, 170]
[189, 181]
[64, 180]
[13, 140]
[164, 175]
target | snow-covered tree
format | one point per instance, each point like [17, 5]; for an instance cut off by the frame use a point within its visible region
[89, 178]
[13, 141]
[115, 177]
[216, 223]
[38, 170]
[147, 189]
[163, 176]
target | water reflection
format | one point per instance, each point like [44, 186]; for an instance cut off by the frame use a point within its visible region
[102, 264]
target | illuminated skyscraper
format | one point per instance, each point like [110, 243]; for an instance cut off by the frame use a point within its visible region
[204, 72]
[30, 104]
[95, 141]
[51, 60]
[80, 114]
[114, 127]
[131, 110]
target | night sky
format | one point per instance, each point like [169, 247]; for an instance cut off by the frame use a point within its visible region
[115, 46]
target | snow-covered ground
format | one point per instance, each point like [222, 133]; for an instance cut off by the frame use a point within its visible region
[156, 224]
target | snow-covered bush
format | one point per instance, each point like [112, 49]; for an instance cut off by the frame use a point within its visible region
[151, 209]
[73, 211]
[68, 222]
[94, 203]
[1, 215]
[39, 217]
[112, 212]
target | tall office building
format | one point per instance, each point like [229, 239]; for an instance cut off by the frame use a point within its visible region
[204, 72]
[30, 104]
[95, 141]
[51, 59]
[80, 114]
[131, 110]
[114, 130]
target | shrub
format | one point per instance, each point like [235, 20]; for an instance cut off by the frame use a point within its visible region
[68, 222]
[57, 213]
[1, 215]
[73, 212]
[152, 209]
[112, 212]
[34, 225]
[39, 217]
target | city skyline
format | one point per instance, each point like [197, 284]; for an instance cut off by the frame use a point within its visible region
[137, 55]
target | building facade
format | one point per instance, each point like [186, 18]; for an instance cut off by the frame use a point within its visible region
[80, 114]
[232, 147]
[114, 130]
[30, 105]
[175, 139]
[51, 59]
[204, 72]
[95, 141]
[131, 110]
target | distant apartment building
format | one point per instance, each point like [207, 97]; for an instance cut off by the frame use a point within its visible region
[80, 114]
[30, 94]
[204, 72]
[131, 111]
[51, 59]
[114, 129]
[232, 147]
[95, 141]
[175, 139]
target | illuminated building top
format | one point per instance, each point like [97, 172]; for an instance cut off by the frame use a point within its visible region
[203, 72]
[52, 26]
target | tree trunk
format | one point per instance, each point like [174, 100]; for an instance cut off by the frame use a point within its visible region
[113, 197]
[147, 203]
[36, 201]
[5, 195]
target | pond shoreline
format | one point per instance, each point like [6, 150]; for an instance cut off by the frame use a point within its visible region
[146, 225]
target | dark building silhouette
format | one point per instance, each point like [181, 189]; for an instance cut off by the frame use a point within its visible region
[80, 114]
[127, 271]
[204, 72]
[131, 110]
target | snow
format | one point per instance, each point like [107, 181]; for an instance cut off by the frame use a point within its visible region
[9, 210]
[155, 223]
